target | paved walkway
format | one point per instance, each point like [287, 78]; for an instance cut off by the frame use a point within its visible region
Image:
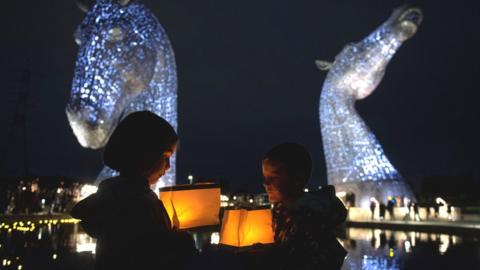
[441, 226]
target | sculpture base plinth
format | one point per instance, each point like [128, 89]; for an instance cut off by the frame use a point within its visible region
[380, 190]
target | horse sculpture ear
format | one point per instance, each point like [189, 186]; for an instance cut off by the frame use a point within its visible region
[85, 5]
[323, 65]
[123, 2]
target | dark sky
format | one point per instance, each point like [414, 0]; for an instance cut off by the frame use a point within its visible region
[247, 81]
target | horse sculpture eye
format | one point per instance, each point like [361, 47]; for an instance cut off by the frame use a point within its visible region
[115, 34]
[78, 41]
[77, 37]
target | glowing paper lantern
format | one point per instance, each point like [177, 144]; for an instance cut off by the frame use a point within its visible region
[244, 227]
[191, 206]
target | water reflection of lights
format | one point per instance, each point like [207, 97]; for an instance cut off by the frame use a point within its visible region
[85, 243]
[386, 249]
[86, 247]
[215, 238]
[413, 238]
[408, 246]
[372, 262]
[408, 240]
[368, 248]
[444, 243]
[23, 237]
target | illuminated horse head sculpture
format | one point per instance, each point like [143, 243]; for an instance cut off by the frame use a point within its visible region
[355, 160]
[125, 63]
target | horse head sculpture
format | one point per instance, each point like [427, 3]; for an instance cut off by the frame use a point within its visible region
[125, 63]
[352, 153]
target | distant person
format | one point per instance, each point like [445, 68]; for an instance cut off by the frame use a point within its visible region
[28, 199]
[19, 203]
[436, 209]
[59, 198]
[304, 223]
[449, 212]
[410, 211]
[373, 205]
[390, 205]
[416, 213]
[352, 199]
[131, 225]
[382, 209]
[428, 211]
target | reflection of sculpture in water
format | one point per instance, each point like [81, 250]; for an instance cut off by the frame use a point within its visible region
[355, 160]
[125, 63]
[386, 249]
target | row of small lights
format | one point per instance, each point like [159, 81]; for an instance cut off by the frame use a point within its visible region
[29, 226]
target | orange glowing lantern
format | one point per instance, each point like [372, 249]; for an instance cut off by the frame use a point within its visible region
[191, 206]
[242, 227]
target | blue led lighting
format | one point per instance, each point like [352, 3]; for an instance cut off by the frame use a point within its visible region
[125, 64]
[352, 152]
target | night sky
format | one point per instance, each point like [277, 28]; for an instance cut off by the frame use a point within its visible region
[247, 81]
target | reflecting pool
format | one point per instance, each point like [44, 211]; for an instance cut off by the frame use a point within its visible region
[386, 249]
[45, 244]
[62, 244]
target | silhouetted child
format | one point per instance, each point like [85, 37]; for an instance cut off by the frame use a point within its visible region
[131, 225]
[304, 223]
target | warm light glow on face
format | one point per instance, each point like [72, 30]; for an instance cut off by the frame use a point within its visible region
[242, 228]
[194, 207]
[278, 183]
[160, 167]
